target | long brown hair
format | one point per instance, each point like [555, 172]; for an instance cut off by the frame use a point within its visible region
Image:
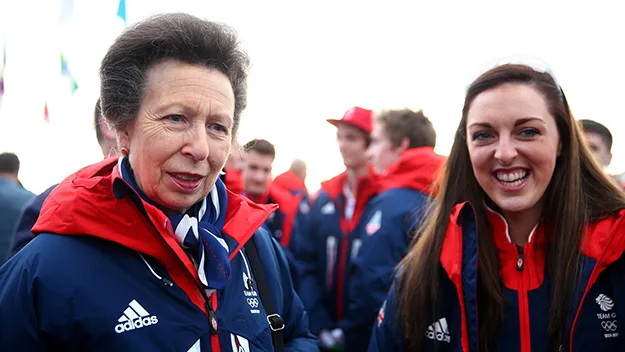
[578, 193]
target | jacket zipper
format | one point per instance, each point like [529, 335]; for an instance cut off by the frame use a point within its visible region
[212, 320]
[524, 314]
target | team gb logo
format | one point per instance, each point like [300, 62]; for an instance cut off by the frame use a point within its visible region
[604, 302]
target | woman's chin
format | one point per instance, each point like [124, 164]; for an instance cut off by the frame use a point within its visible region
[513, 206]
[177, 203]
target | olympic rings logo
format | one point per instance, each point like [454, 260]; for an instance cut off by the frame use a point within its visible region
[253, 302]
[609, 325]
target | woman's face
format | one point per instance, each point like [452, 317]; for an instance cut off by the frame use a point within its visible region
[181, 137]
[513, 144]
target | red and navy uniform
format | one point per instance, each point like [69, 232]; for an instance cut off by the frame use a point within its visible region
[596, 308]
[106, 273]
[326, 246]
[391, 218]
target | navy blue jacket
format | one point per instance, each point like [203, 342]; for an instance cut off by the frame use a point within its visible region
[13, 198]
[597, 306]
[391, 218]
[105, 273]
[27, 220]
[327, 243]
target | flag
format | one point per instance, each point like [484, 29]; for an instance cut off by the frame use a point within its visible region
[121, 10]
[67, 74]
[46, 114]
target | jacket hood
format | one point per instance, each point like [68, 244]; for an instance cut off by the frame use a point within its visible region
[417, 168]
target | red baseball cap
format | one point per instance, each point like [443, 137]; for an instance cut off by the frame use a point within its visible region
[358, 117]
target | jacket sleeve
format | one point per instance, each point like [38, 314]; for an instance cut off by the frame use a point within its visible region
[382, 249]
[311, 287]
[386, 334]
[19, 325]
[297, 336]
[26, 221]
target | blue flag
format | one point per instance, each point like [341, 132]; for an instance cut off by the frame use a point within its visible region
[121, 10]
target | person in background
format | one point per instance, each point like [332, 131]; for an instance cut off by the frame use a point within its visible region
[599, 140]
[148, 250]
[523, 249]
[13, 197]
[256, 173]
[22, 235]
[402, 153]
[293, 180]
[231, 176]
[326, 245]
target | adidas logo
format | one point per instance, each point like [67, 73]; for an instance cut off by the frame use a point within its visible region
[134, 317]
[439, 331]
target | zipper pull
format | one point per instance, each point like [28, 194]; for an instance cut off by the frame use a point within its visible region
[212, 321]
[520, 259]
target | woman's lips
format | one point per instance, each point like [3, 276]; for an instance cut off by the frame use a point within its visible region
[186, 181]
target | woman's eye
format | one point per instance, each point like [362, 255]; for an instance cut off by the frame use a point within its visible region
[481, 136]
[217, 127]
[175, 118]
[529, 133]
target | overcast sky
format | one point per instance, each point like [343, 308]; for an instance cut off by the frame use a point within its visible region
[310, 63]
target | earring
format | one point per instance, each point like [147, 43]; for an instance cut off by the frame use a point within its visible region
[125, 151]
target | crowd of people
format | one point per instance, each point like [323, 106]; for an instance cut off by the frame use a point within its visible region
[181, 240]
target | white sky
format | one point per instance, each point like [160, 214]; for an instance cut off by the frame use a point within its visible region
[310, 62]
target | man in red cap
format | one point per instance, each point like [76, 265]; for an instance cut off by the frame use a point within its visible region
[327, 241]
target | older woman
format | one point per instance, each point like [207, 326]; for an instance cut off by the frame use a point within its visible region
[150, 251]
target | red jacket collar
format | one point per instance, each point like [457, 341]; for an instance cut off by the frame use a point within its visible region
[97, 202]
[534, 253]
[367, 185]
[367, 188]
[334, 186]
[88, 198]
[417, 168]
[603, 240]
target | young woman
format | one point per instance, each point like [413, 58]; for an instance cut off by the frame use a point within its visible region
[523, 250]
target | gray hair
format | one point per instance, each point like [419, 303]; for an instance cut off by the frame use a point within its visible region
[178, 36]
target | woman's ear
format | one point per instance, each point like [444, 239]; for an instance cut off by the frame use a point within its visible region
[123, 138]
